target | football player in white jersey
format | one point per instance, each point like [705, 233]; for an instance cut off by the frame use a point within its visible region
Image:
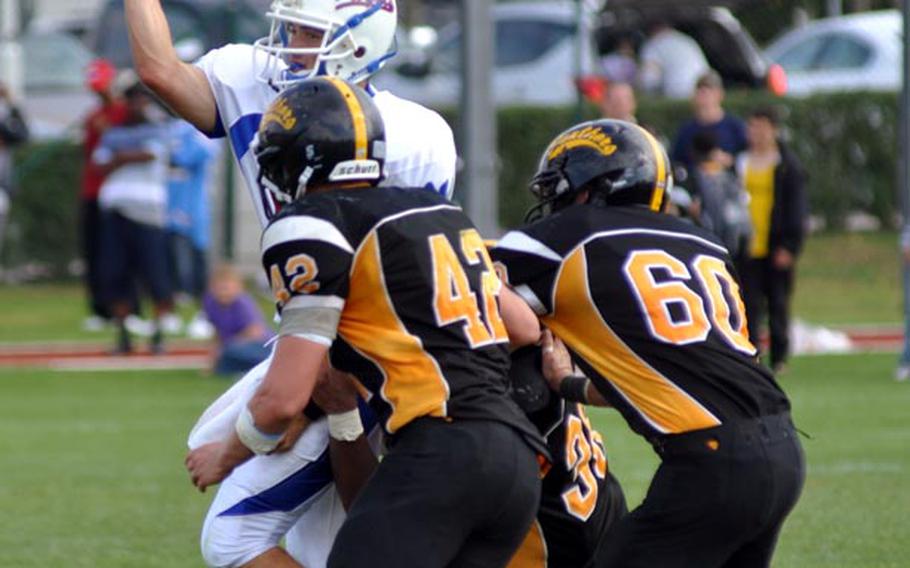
[225, 94]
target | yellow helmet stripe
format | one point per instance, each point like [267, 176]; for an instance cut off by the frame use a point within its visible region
[357, 115]
[660, 185]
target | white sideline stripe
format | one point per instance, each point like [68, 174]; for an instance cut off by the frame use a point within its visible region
[303, 227]
[521, 242]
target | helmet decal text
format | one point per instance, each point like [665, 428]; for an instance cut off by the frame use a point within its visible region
[279, 113]
[591, 137]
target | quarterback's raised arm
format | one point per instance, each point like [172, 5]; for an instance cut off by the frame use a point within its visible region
[181, 85]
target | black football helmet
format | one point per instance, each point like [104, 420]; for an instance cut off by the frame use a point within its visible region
[319, 131]
[620, 163]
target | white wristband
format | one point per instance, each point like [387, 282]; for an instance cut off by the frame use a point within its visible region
[252, 437]
[346, 426]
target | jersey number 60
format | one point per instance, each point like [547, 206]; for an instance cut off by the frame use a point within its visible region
[693, 320]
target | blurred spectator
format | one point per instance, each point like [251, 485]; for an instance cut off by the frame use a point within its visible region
[721, 202]
[13, 131]
[188, 221]
[133, 202]
[239, 325]
[903, 366]
[775, 181]
[670, 62]
[681, 204]
[709, 115]
[619, 102]
[110, 112]
[619, 65]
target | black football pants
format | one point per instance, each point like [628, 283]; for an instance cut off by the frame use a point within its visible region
[459, 494]
[718, 499]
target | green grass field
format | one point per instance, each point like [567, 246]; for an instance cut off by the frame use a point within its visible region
[842, 279]
[91, 471]
[848, 279]
[91, 464]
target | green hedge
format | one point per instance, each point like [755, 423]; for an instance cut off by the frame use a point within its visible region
[43, 222]
[848, 143]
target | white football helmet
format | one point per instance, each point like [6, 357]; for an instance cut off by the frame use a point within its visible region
[358, 37]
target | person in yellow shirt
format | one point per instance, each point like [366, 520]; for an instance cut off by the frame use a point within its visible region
[775, 180]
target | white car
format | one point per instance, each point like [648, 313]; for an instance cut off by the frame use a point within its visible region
[855, 52]
[536, 60]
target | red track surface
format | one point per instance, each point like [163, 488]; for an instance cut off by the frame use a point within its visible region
[95, 356]
[193, 355]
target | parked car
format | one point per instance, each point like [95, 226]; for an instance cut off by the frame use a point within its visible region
[727, 46]
[854, 52]
[537, 60]
[55, 98]
[203, 23]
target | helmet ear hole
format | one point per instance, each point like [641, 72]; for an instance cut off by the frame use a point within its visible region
[360, 52]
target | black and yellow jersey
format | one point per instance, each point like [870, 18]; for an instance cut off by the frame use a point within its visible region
[580, 500]
[650, 308]
[399, 283]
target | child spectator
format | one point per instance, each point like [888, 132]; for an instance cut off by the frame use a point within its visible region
[721, 201]
[239, 326]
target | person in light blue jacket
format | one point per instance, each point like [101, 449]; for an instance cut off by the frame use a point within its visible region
[188, 217]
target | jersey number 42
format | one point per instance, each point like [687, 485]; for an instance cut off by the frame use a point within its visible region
[454, 299]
